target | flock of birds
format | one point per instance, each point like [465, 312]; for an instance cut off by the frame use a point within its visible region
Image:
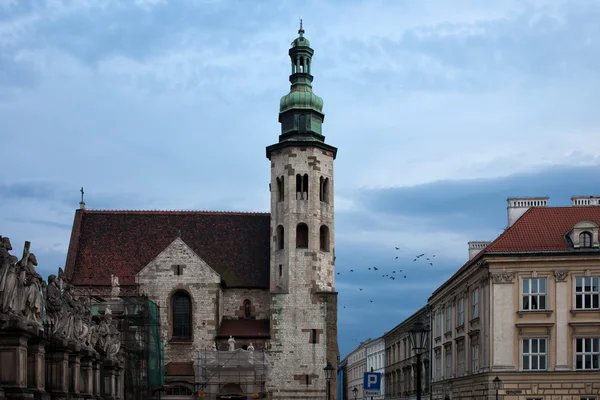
[398, 273]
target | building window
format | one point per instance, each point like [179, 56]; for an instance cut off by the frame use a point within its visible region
[534, 354]
[587, 353]
[460, 359]
[438, 324]
[302, 187]
[182, 316]
[460, 312]
[448, 362]
[280, 189]
[586, 293]
[247, 309]
[474, 358]
[585, 239]
[324, 238]
[313, 336]
[438, 364]
[178, 391]
[280, 241]
[324, 190]
[587, 398]
[475, 303]
[448, 318]
[280, 270]
[178, 269]
[534, 294]
[302, 236]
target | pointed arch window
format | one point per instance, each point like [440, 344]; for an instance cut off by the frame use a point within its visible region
[302, 236]
[182, 315]
[324, 189]
[280, 241]
[324, 238]
[247, 309]
[301, 187]
[585, 239]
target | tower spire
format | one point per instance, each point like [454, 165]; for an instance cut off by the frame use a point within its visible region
[301, 30]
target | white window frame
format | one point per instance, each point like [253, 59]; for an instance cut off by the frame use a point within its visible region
[534, 355]
[590, 294]
[460, 312]
[438, 324]
[474, 358]
[448, 318]
[587, 352]
[531, 294]
[475, 303]
[438, 364]
[448, 362]
[460, 359]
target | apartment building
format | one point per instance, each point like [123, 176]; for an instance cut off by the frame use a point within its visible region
[401, 361]
[375, 351]
[356, 366]
[525, 308]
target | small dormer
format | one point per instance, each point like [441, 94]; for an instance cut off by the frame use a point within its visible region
[584, 235]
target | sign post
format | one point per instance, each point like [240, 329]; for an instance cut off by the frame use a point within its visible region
[372, 384]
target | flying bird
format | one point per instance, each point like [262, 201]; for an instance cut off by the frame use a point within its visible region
[376, 269]
[351, 270]
[360, 289]
[396, 258]
[397, 248]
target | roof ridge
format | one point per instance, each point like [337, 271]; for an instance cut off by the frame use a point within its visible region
[183, 211]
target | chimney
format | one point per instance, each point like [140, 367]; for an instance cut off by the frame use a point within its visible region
[518, 205]
[586, 200]
[476, 247]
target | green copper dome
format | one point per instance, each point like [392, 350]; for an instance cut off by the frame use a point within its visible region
[301, 100]
[301, 42]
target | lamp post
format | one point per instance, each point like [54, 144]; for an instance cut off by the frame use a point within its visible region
[355, 392]
[418, 337]
[497, 384]
[328, 371]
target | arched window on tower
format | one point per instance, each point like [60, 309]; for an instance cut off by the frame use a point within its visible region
[585, 239]
[280, 241]
[302, 236]
[182, 315]
[324, 238]
[247, 309]
[301, 187]
[324, 190]
[280, 189]
[301, 69]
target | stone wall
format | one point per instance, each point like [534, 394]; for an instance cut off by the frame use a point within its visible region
[233, 303]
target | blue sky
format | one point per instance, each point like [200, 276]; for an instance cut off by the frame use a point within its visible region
[440, 110]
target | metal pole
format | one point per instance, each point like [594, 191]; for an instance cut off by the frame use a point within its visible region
[328, 389]
[372, 371]
[496, 394]
[419, 376]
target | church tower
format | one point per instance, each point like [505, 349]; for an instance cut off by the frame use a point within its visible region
[303, 298]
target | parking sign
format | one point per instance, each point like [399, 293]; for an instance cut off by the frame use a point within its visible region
[372, 384]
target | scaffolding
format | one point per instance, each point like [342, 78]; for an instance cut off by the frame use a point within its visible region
[138, 322]
[237, 374]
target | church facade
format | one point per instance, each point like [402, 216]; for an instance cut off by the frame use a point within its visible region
[255, 290]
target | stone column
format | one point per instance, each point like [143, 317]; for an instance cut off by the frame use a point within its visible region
[57, 365]
[562, 317]
[119, 382]
[74, 367]
[13, 360]
[86, 377]
[110, 371]
[96, 376]
[36, 367]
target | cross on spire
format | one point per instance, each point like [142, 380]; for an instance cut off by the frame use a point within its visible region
[301, 30]
[82, 192]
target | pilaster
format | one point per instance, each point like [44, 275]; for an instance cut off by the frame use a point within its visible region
[562, 310]
[74, 369]
[86, 378]
[36, 367]
[57, 369]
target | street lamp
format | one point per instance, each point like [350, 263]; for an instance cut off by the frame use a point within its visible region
[497, 384]
[328, 371]
[355, 391]
[418, 337]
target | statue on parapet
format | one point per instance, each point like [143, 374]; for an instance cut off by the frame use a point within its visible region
[231, 342]
[115, 287]
[9, 279]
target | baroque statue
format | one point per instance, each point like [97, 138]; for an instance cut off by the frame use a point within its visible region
[231, 342]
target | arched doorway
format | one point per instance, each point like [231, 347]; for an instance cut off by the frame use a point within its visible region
[231, 391]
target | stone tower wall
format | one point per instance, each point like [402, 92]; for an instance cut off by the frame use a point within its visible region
[304, 303]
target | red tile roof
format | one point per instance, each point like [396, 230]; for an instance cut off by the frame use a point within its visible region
[257, 328]
[236, 245]
[538, 230]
